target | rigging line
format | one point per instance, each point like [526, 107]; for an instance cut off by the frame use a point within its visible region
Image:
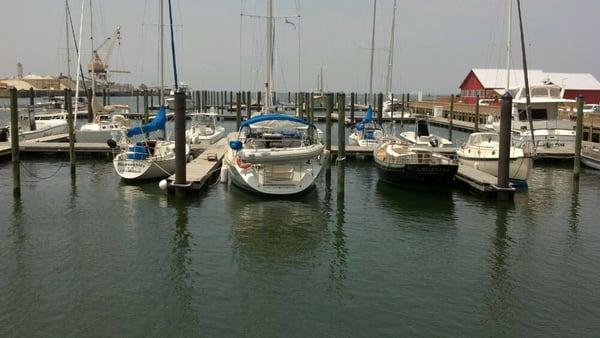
[76, 47]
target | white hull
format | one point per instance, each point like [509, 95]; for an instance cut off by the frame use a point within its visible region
[95, 136]
[409, 136]
[143, 169]
[518, 167]
[356, 139]
[550, 143]
[273, 178]
[590, 162]
[54, 129]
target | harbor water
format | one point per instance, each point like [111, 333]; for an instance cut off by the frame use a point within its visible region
[88, 255]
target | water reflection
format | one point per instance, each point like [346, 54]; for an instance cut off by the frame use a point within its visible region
[181, 274]
[500, 299]
[278, 229]
[574, 215]
[73, 194]
[337, 266]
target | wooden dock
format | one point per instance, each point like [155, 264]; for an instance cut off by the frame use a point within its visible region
[200, 169]
[480, 181]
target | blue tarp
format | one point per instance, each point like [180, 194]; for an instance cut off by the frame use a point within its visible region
[157, 123]
[369, 117]
[271, 117]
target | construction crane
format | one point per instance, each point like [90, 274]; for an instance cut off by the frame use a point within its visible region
[99, 64]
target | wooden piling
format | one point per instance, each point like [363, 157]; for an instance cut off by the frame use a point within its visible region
[504, 151]
[103, 97]
[180, 156]
[69, 106]
[311, 107]
[341, 127]
[578, 138]
[238, 110]
[328, 121]
[151, 98]
[300, 104]
[31, 97]
[352, 98]
[137, 101]
[380, 108]
[477, 113]
[146, 108]
[90, 106]
[249, 103]
[451, 117]
[259, 100]
[14, 139]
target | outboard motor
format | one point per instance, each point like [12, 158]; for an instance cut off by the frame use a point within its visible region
[111, 143]
[433, 141]
[3, 134]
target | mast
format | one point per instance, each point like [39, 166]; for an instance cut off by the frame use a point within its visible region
[68, 49]
[508, 44]
[388, 84]
[372, 53]
[79, 70]
[93, 59]
[162, 55]
[527, 93]
[269, 83]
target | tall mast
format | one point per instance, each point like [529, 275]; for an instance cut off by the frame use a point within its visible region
[269, 83]
[526, 74]
[68, 49]
[93, 58]
[79, 71]
[388, 84]
[508, 45]
[162, 55]
[372, 53]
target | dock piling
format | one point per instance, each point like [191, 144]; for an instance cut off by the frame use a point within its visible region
[352, 98]
[504, 151]
[341, 127]
[328, 121]
[69, 106]
[90, 106]
[180, 157]
[238, 110]
[477, 113]
[578, 138]
[145, 107]
[14, 139]
[451, 117]
[380, 108]
[31, 97]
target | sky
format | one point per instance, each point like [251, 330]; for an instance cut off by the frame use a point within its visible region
[437, 41]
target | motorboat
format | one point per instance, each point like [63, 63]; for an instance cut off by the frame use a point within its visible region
[102, 129]
[204, 129]
[481, 151]
[590, 156]
[274, 154]
[367, 133]
[422, 137]
[399, 162]
[554, 137]
[34, 129]
[147, 159]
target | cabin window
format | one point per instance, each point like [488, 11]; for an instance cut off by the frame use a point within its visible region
[536, 114]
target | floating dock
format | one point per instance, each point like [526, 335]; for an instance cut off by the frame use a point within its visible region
[200, 169]
[480, 181]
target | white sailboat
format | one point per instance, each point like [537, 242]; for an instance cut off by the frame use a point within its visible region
[148, 159]
[275, 154]
[368, 132]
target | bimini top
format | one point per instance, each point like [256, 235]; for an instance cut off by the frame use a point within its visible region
[275, 117]
[157, 123]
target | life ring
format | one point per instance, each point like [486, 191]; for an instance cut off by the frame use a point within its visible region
[242, 164]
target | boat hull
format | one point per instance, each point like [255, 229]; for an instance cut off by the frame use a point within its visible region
[204, 140]
[417, 174]
[94, 136]
[130, 170]
[56, 129]
[518, 167]
[591, 162]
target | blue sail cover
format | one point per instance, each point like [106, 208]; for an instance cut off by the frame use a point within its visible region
[271, 117]
[157, 123]
[367, 119]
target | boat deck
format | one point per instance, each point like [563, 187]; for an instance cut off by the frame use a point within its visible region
[200, 169]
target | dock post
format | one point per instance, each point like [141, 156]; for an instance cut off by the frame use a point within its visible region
[151, 99]
[145, 118]
[14, 141]
[258, 100]
[311, 107]
[231, 100]
[103, 96]
[578, 138]
[328, 121]
[504, 151]
[477, 113]
[69, 106]
[238, 110]
[299, 104]
[366, 99]
[341, 127]
[352, 98]
[90, 106]
[180, 158]
[249, 103]
[380, 108]
[289, 98]
[31, 97]
[451, 117]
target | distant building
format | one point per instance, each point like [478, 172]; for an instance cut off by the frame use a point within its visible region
[491, 84]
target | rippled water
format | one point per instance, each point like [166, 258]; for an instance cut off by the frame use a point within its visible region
[91, 256]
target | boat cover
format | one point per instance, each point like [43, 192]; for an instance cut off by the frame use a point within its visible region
[275, 117]
[157, 123]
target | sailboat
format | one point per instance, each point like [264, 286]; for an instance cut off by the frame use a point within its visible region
[274, 154]
[392, 105]
[368, 132]
[148, 159]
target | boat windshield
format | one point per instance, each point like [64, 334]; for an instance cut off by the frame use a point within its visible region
[483, 139]
[279, 134]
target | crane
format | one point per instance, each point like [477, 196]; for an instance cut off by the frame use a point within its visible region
[99, 64]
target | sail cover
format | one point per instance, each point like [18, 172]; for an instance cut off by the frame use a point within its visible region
[369, 117]
[157, 123]
[276, 120]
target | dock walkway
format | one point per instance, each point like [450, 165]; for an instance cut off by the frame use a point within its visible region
[480, 181]
[200, 169]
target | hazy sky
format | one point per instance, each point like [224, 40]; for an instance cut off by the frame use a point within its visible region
[437, 41]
